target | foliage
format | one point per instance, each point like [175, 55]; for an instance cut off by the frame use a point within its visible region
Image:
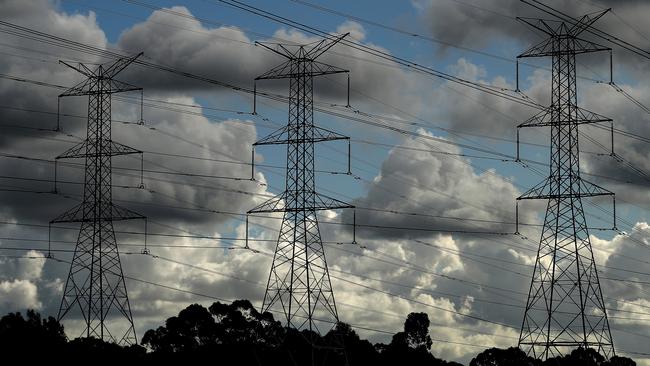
[19, 334]
[512, 356]
[237, 333]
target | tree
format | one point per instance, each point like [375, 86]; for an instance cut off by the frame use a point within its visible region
[587, 357]
[192, 328]
[240, 323]
[621, 361]
[102, 350]
[357, 351]
[416, 328]
[512, 356]
[237, 333]
[416, 333]
[18, 334]
[578, 357]
[412, 345]
[196, 327]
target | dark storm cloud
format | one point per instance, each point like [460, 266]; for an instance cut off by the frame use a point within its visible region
[481, 23]
[227, 53]
[492, 24]
[229, 140]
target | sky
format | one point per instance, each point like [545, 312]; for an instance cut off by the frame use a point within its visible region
[452, 165]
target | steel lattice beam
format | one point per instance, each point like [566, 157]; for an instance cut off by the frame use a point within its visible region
[299, 281]
[95, 288]
[565, 307]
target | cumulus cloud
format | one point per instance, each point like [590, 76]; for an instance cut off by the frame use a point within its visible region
[19, 282]
[19, 294]
[226, 53]
[479, 113]
[209, 139]
[440, 185]
[487, 22]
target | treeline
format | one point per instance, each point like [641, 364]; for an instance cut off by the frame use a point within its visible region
[237, 334]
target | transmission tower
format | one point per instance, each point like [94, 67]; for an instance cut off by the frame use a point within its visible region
[565, 307]
[95, 285]
[299, 280]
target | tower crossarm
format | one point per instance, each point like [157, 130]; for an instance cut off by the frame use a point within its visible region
[567, 26]
[116, 67]
[318, 202]
[87, 87]
[287, 135]
[309, 52]
[84, 149]
[546, 48]
[545, 190]
[548, 117]
[284, 70]
[80, 213]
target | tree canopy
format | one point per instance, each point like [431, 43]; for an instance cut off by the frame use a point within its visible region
[237, 332]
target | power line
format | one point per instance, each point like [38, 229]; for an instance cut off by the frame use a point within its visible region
[564, 17]
[268, 254]
[212, 297]
[417, 135]
[20, 31]
[411, 34]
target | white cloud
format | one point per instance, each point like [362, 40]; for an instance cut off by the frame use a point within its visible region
[356, 30]
[19, 294]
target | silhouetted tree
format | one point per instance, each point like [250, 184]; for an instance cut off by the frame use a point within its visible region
[237, 333]
[193, 327]
[578, 357]
[587, 357]
[416, 328]
[411, 347]
[415, 334]
[240, 323]
[18, 334]
[357, 351]
[33, 338]
[512, 356]
[102, 350]
[621, 361]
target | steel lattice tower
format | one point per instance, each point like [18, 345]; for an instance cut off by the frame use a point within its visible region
[565, 307]
[95, 284]
[299, 279]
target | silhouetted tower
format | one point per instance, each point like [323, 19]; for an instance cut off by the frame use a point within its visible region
[565, 307]
[95, 285]
[299, 280]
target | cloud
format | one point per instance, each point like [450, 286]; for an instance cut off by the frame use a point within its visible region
[492, 25]
[30, 270]
[492, 21]
[228, 54]
[482, 114]
[212, 140]
[437, 185]
[223, 53]
[19, 282]
[356, 30]
[19, 294]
